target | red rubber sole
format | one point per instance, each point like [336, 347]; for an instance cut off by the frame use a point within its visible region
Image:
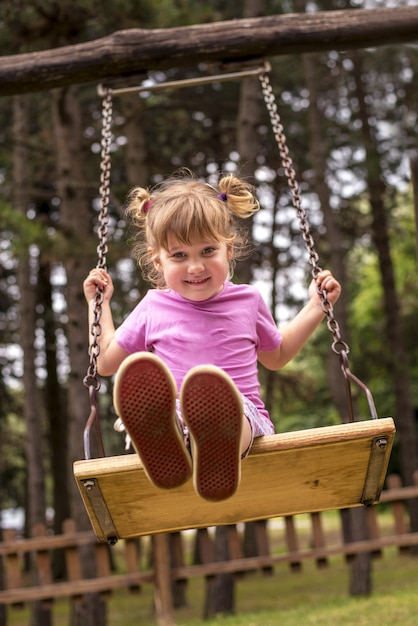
[212, 409]
[144, 398]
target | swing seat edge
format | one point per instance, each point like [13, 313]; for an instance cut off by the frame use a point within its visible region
[313, 470]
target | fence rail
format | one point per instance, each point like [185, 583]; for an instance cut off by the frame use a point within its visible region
[20, 587]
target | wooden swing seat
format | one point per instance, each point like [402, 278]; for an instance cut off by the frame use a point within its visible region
[312, 470]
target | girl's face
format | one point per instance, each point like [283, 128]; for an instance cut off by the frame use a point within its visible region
[197, 271]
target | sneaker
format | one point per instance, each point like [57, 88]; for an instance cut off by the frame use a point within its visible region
[145, 399]
[212, 409]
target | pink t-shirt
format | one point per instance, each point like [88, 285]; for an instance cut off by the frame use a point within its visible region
[227, 330]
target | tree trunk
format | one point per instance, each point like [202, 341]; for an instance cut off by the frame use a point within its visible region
[361, 568]
[56, 410]
[136, 153]
[27, 278]
[75, 222]
[333, 249]
[220, 590]
[27, 282]
[76, 225]
[249, 114]
[360, 579]
[414, 178]
[397, 358]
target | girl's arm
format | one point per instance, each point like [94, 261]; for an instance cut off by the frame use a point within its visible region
[298, 331]
[111, 354]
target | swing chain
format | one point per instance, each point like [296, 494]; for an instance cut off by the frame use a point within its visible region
[338, 345]
[92, 378]
[104, 189]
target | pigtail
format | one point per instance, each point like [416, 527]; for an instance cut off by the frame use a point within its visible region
[138, 204]
[239, 196]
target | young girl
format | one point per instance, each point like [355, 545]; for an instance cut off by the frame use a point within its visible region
[187, 388]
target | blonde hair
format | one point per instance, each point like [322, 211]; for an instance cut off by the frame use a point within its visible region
[188, 210]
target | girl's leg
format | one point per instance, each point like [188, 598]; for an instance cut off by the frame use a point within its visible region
[247, 436]
[255, 425]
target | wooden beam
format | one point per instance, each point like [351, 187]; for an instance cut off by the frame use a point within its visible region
[128, 52]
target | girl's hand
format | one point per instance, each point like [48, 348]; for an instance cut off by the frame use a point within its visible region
[326, 282]
[98, 277]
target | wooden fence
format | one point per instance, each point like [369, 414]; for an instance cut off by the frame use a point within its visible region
[21, 586]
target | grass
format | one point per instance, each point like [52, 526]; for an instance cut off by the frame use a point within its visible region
[313, 596]
[310, 597]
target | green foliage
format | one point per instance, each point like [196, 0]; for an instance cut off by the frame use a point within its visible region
[27, 26]
[12, 458]
[22, 231]
[13, 462]
[368, 324]
[302, 397]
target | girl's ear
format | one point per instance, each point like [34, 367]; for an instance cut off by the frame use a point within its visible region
[155, 259]
[230, 252]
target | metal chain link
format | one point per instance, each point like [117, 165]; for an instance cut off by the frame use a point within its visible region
[338, 345]
[92, 378]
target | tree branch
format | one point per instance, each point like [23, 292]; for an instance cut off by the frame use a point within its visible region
[129, 52]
